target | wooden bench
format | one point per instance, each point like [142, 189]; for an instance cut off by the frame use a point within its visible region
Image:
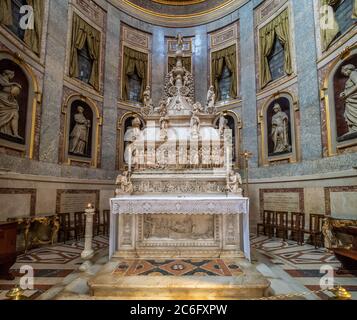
[348, 259]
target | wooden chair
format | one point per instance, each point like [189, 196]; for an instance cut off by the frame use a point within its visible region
[315, 229]
[270, 223]
[96, 223]
[106, 222]
[80, 223]
[101, 223]
[297, 225]
[66, 226]
[262, 225]
[281, 224]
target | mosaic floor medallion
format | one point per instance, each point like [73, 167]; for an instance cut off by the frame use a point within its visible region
[191, 267]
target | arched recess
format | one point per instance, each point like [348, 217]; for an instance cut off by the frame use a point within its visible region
[73, 153]
[123, 124]
[27, 101]
[341, 112]
[278, 129]
[235, 124]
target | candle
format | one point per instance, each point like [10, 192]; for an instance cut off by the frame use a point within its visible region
[129, 160]
[228, 159]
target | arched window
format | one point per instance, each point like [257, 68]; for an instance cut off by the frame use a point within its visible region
[16, 17]
[85, 64]
[135, 84]
[225, 83]
[276, 60]
[343, 13]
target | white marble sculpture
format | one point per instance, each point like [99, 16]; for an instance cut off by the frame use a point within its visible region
[234, 183]
[349, 95]
[9, 107]
[223, 125]
[195, 126]
[280, 130]
[148, 105]
[211, 101]
[79, 137]
[125, 186]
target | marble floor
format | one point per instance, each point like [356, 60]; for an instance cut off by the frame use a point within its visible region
[293, 270]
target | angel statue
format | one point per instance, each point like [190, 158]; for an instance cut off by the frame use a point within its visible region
[211, 100]
[125, 186]
[234, 183]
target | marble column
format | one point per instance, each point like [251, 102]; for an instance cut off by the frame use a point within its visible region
[248, 86]
[305, 49]
[56, 46]
[88, 251]
[111, 89]
[201, 67]
[158, 64]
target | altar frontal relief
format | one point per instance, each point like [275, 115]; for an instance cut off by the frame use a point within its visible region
[179, 227]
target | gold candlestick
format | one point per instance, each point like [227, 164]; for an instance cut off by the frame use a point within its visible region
[247, 155]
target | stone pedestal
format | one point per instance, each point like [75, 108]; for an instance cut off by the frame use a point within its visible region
[88, 251]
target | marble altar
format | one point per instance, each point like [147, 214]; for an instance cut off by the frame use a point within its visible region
[179, 208]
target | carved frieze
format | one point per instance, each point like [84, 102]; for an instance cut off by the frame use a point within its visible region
[224, 37]
[92, 11]
[136, 38]
[195, 186]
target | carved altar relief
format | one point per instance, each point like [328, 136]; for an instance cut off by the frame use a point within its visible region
[278, 130]
[340, 100]
[178, 227]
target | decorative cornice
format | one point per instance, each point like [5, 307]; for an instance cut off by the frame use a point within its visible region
[178, 21]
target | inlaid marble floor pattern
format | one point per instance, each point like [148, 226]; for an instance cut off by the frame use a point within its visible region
[178, 267]
[51, 264]
[300, 264]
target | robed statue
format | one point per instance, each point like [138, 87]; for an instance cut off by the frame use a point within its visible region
[280, 130]
[79, 137]
[350, 97]
[9, 107]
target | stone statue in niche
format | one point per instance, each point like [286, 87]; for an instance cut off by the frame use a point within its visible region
[223, 125]
[79, 137]
[164, 121]
[195, 126]
[124, 184]
[211, 100]
[234, 183]
[350, 97]
[148, 105]
[197, 108]
[280, 130]
[9, 107]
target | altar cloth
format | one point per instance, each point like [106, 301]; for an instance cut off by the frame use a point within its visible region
[192, 205]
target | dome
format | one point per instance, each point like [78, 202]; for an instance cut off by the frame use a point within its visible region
[178, 13]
